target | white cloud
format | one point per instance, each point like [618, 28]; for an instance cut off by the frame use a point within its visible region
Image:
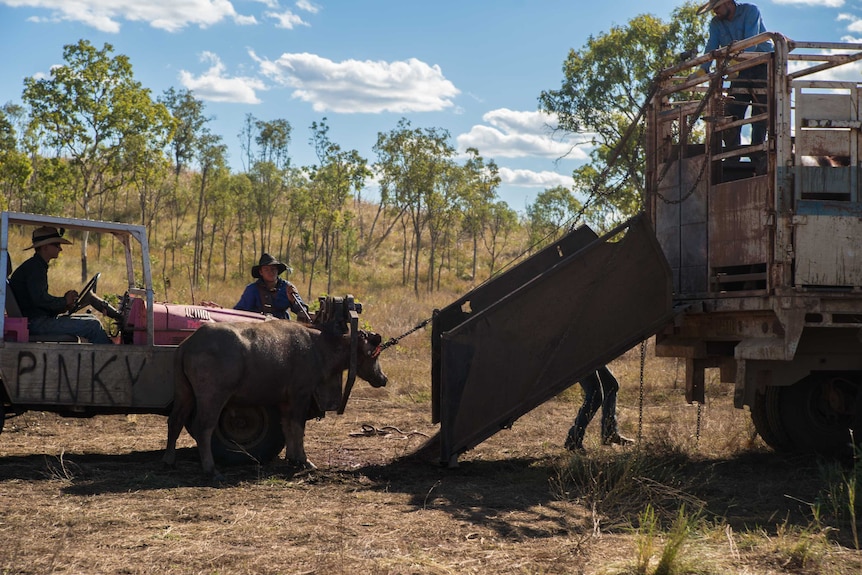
[822, 3]
[106, 15]
[517, 134]
[531, 179]
[286, 19]
[354, 86]
[308, 6]
[214, 86]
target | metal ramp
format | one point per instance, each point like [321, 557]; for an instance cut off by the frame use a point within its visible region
[523, 337]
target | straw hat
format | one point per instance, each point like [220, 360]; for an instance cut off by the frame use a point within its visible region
[710, 5]
[47, 235]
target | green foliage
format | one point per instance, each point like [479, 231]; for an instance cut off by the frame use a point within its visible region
[553, 209]
[604, 86]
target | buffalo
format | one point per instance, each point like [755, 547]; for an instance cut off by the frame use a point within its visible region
[282, 363]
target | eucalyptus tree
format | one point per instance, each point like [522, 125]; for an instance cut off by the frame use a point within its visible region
[15, 166]
[410, 161]
[338, 175]
[86, 109]
[211, 155]
[483, 181]
[444, 214]
[502, 221]
[605, 84]
[266, 145]
[550, 213]
[189, 125]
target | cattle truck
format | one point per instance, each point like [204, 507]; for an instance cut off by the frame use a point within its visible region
[764, 241]
[747, 260]
[64, 375]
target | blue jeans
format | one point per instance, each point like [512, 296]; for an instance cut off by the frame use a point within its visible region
[82, 325]
[600, 390]
[743, 91]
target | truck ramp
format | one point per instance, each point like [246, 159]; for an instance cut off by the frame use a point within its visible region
[526, 335]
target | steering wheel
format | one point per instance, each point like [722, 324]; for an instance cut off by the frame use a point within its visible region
[90, 286]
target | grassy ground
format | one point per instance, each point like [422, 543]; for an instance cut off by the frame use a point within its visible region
[699, 493]
[90, 496]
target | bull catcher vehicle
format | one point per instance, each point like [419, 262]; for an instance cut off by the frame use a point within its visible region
[60, 374]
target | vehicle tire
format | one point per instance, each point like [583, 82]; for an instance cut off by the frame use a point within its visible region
[247, 434]
[765, 415]
[816, 415]
[857, 420]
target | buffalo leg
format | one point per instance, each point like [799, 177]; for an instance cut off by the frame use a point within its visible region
[293, 425]
[184, 401]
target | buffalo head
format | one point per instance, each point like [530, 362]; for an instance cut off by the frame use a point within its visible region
[367, 366]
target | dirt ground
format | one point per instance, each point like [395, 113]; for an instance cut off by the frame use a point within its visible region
[91, 496]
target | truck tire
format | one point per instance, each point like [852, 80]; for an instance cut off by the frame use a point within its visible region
[810, 417]
[857, 420]
[247, 434]
[766, 417]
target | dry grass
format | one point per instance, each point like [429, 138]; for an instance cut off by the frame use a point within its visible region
[90, 496]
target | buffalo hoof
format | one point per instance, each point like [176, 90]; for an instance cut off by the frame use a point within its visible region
[299, 465]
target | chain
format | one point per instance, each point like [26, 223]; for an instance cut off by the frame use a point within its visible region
[641, 394]
[394, 340]
[697, 428]
[714, 83]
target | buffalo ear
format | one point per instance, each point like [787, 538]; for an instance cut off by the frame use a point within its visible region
[375, 338]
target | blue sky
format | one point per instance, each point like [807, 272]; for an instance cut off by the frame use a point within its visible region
[474, 68]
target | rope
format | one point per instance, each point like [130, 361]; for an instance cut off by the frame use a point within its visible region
[369, 430]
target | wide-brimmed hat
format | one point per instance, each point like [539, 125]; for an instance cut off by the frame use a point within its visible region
[710, 5]
[267, 260]
[47, 235]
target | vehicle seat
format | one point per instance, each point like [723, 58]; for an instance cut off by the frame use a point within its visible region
[13, 310]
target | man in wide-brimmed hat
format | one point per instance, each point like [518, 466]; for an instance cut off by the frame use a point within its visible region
[732, 22]
[270, 294]
[43, 311]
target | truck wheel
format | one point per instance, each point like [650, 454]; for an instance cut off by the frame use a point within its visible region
[857, 420]
[247, 434]
[816, 413]
[765, 415]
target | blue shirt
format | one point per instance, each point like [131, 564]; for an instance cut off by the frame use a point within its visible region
[746, 22]
[251, 299]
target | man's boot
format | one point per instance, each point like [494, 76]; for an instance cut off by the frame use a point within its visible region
[575, 441]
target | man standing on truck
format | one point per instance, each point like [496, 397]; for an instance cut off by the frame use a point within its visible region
[270, 294]
[732, 22]
[29, 285]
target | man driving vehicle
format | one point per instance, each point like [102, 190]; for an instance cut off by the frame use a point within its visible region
[29, 284]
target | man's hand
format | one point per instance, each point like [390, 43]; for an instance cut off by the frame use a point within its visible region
[71, 297]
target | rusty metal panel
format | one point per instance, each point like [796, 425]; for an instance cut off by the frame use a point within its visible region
[681, 228]
[828, 244]
[739, 233]
[549, 332]
[492, 290]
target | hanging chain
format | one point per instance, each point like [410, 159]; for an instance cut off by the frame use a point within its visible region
[714, 84]
[697, 427]
[641, 394]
